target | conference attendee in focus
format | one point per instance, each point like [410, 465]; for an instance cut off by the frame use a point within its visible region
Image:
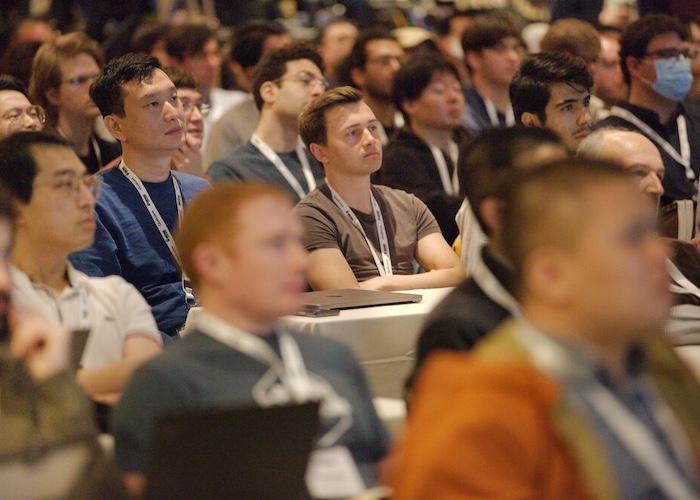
[241, 245]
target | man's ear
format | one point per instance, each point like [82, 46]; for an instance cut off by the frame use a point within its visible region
[53, 97]
[268, 92]
[491, 211]
[208, 259]
[531, 120]
[473, 59]
[357, 75]
[318, 152]
[632, 64]
[114, 127]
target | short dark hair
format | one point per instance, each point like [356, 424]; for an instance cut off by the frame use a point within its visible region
[9, 82]
[181, 77]
[486, 166]
[635, 39]
[17, 165]
[530, 89]
[312, 121]
[487, 31]
[414, 76]
[249, 39]
[274, 65]
[108, 90]
[147, 35]
[358, 54]
[187, 40]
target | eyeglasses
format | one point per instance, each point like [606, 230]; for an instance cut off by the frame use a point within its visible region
[306, 79]
[70, 185]
[81, 79]
[672, 53]
[16, 116]
[386, 60]
[188, 107]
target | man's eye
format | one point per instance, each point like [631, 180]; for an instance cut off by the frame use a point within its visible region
[568, 107]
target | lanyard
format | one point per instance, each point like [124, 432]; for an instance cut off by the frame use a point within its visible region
[493, 288]
[682, 157]
[383, 265]
[296, 384]
[683, 285]
[398, 123]
[493, 114]
[451, 186]
[284, 170]
[552, 359]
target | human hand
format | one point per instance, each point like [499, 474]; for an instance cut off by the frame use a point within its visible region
[42, 345]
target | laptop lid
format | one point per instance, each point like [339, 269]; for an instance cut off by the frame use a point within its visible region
[242, 453]
[353, 298]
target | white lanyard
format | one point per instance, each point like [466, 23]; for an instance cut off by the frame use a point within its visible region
[383, 265]
[296, 383]
[398, 123]
[160, 223]
[683, 157]
[683, 285]
[284, 170]
[493, 114]
[450, 186]
[493, 288]
[552, 359]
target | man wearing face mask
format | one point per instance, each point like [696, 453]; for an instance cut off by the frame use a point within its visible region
[655, 64]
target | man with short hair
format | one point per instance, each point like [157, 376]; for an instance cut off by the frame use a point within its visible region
[421, 158]
[335, 41]
[55, 199]
[251, 42]
[610, 85]
[554, 91]
[16, 112]
[360, 235]
[62, 73]
[375, 58]
[241, 246]
[286, 80]
[655, 64]
[493, 51]
[142, 200]
[556, 402]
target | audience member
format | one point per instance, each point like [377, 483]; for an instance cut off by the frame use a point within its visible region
[16, 112]
[375, 58]
[335, 41]
[583, 367]
[252, 41]
[286, 80]
[493, 51]
[359, 234]
[655, 64]
[17, 61]
[142, 200]
[693, 26]
[150, 39]
[421, 157]
[55, 198]
[241, 245]
[554, 91]
[449, 40]
[610, 85]
[62, 73]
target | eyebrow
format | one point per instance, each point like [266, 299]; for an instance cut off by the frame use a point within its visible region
[572, 100]
[69, 171]
[358, 124]
[151, 95]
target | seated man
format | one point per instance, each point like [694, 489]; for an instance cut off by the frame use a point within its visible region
[478, 305]
[285, 81]
[55, 200]
[16, 112]
[361, 235]
[583, 368]
[241, 246]
[142, 199]
[554, 91]
[421, 158]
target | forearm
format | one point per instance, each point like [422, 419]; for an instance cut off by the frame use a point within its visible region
[109, 379]
[432, 279]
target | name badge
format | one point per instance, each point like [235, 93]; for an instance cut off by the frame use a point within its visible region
[332, 473]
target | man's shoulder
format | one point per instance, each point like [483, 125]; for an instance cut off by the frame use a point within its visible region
[239, 162]
[190, 182]
[314, 200]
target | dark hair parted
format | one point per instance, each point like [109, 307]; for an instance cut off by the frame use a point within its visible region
[635, 39]
[9, 82]
[487, 164]
[530, 89]
[18, 169]
[312, 121]
[108, 90]
[415, 75]
[274, 65]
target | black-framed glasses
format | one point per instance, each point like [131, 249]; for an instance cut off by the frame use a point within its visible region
[16, 115]
[70, 185]
[671, 53]
[81, 79]
[188, 106]
[307, 79]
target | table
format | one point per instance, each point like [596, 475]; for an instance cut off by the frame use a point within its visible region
[382, 337]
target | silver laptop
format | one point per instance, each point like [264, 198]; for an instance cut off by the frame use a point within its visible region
[316, 303]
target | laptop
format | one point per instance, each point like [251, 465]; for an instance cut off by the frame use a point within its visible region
[241, 453]
[318, 303]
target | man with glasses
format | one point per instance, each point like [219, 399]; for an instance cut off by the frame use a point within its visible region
[62, 73]
[655, 63]
[55, 199]
[286, 80]
[142, 198]
[16, 112]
